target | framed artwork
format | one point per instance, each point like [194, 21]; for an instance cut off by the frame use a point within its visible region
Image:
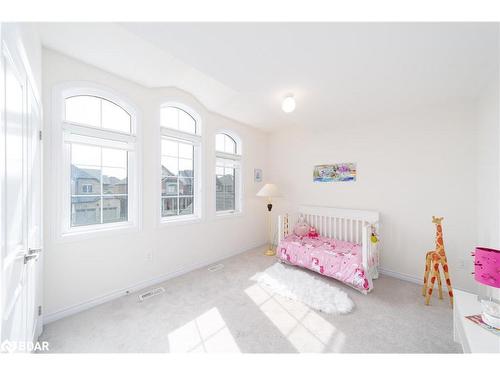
[257, 175]
[334, 172]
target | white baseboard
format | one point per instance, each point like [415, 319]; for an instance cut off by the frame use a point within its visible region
[74, 309]
[401, 276]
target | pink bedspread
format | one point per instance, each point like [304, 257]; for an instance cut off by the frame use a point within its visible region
[338, 259]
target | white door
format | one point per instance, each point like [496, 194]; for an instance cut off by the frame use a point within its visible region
[34, 201]
[20, 210]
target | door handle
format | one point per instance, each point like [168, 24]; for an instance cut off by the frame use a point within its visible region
[29, 257]
[34, 251]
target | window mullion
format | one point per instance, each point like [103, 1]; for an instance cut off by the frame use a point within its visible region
[102, 185]
[178, 176]
[100, 113]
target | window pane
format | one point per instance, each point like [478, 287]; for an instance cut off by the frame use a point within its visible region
[228, 181]
[115, 117]
[186, 150]
[186, 122]
[169, 186]
[169, 117]
[185, 186]
[114, 209]
[175, 118]
[185, 205]
[186, 167]
[169, 207]
[84, 110]
[229, 145]
[219, 142]
[85, 155]
[225, 143]
[219, 201]
[85, 180]
[229, 201]
[114, 180]
[85, 211]
[170, 166]
[225, 184]
[114, 158]
[169, 148]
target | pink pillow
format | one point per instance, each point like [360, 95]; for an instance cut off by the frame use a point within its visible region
[301, 229]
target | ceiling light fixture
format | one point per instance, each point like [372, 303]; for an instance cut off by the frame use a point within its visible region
[288, 104]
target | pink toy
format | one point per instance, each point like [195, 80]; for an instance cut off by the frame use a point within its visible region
[301, 228]
[312, 233]
[487, 266]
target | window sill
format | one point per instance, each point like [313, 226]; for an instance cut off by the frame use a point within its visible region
[227, 215]
[175, 220]
[89, 232]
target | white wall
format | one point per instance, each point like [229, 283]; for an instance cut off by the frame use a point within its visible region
[488, 176]
[410, 167]
[82, 270]
[488, 173]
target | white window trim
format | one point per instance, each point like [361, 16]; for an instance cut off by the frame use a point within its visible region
[62, 132]
[238, 199]
[197, 141]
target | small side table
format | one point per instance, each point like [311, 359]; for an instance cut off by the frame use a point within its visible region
[473, 338]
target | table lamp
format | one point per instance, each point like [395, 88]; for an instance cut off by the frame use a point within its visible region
[487, 273]
[269, 191]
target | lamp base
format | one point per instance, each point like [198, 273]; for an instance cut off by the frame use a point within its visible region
[270, 252]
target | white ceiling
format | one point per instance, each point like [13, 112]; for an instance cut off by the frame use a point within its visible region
[338, 72]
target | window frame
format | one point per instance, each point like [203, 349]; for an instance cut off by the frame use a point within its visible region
[65, 133]
[237, 159]
[196, 140]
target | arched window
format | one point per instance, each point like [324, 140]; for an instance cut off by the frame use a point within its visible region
[180, 166]
[99, 156]
[178, 119]
[97, 112]
[225, 143]
[227, 173]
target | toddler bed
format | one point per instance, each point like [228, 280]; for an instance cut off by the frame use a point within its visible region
[339, 246]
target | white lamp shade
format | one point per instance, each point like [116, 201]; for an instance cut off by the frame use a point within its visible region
[268, 190]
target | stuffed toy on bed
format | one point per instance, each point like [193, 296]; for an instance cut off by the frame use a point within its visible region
[301, 229]
[313, 233]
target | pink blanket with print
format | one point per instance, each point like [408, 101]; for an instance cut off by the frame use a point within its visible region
[340, 260]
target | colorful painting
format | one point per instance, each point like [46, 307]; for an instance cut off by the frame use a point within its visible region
[335, 172]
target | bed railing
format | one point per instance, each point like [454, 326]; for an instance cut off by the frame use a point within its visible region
[341, 224]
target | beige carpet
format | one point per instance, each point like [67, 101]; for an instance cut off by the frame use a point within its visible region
[225, 311]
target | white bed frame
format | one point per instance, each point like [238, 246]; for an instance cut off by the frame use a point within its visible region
[341, 224]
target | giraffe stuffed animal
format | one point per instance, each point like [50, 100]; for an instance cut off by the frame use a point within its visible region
[433, 259]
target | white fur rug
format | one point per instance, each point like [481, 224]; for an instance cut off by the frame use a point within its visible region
[298, 285]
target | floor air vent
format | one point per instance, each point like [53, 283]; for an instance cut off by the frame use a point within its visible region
[151, 293]
[215, 267]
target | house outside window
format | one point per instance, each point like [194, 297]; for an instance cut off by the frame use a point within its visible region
[86, 188]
